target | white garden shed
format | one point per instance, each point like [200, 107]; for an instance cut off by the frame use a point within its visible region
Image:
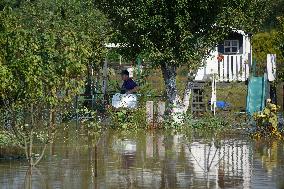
[230, 60]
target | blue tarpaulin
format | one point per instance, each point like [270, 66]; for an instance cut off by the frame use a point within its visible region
[222, 104]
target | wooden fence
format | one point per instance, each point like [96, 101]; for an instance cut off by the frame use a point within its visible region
[233, 68]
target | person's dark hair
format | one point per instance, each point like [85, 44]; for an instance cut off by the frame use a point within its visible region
[124, 72]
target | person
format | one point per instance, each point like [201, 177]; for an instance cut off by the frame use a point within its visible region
[129, 86]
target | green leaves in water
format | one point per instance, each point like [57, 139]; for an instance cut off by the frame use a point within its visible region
[127, 118]
[207, 127]
[267, 123]
[90, 119]
[45, 49]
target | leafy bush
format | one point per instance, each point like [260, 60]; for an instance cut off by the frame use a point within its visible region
[128, 119]
[6, 140]
[206, 127]
[266, 123]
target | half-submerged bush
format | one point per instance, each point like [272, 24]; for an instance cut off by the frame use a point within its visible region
[128, 118]
[266, 123]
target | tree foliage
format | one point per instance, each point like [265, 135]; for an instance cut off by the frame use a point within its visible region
[176, 31]
[264, 43]
[275, 12]
[270, 39]
[280, 47]
[45, 48]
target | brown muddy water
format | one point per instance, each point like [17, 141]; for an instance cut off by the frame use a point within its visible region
[150, 160]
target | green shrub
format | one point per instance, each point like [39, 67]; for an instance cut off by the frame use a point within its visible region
[124, 118]
[5, 139]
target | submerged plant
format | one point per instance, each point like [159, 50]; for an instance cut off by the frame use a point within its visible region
[267, 122]
[207, 126]
[124, 118]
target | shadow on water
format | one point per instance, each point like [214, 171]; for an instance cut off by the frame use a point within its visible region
[120, 159]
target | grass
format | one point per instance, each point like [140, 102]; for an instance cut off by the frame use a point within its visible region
[233, 93]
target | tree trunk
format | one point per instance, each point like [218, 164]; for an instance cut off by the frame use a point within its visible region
[188, 91]
[169, 75]
[175, 109]
[178, 108]
[88, 88]
[186, 96]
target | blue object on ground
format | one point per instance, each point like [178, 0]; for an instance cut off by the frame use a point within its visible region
[257, 94]
[222, 104]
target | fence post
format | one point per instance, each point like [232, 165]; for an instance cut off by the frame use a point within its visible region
[225, 69]
[77, 113]
[271, 67]
[92, 86]
[150, 112]
[104, 84]
[138, 68]
[221, 66]
[161, 111]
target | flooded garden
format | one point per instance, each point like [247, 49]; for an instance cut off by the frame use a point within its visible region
[141, 94]
[154, 159]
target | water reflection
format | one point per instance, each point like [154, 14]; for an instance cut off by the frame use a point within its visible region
[150, 160]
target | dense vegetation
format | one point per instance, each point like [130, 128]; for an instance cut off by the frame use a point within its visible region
[175, 33]
[269, 40]
[47, 48]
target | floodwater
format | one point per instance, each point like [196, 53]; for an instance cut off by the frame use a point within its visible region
[150, 160]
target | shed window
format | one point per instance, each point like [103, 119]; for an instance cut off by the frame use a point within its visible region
[231, 46]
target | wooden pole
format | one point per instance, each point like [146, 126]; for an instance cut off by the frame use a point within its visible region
[104, 85]
[161, 111]
[138, 68]
[96, 161]
[150, 112]
[77, 113]
[92, 86]
[282, 97]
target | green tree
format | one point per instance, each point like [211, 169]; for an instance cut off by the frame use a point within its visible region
[264, 43]
[280, 47]
[270, 39]
[275, 11]
[45, 49]
[178, 32]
